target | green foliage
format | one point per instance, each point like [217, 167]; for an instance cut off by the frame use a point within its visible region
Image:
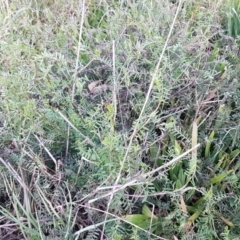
[232, 20]
[80, 160]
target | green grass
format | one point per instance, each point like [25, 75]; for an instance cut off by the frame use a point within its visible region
[119, 120]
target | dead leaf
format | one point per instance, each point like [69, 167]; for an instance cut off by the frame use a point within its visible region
[229, 223]
[187, 227]
[183, 205]
[95, 87]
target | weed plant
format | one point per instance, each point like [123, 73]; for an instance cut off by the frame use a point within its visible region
[119, 119]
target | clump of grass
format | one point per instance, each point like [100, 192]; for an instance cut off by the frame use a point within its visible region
[232, 20]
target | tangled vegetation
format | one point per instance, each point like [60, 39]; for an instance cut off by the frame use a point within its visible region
[119, 119]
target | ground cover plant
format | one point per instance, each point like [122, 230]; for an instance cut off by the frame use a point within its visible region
[119, 119]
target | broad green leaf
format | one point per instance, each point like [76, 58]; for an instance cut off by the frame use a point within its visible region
[181, 176]
[178, 148]
[135, 218]
[178, 184]
[176, 168]
[209, 194]
[199, 203]
[139, 219]
[171, 173]
[147, 212]
[208, 144]
[173, 176]
[219, 177]
[234, 153]
[194, 216]
[191, 209]
[160, 162]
